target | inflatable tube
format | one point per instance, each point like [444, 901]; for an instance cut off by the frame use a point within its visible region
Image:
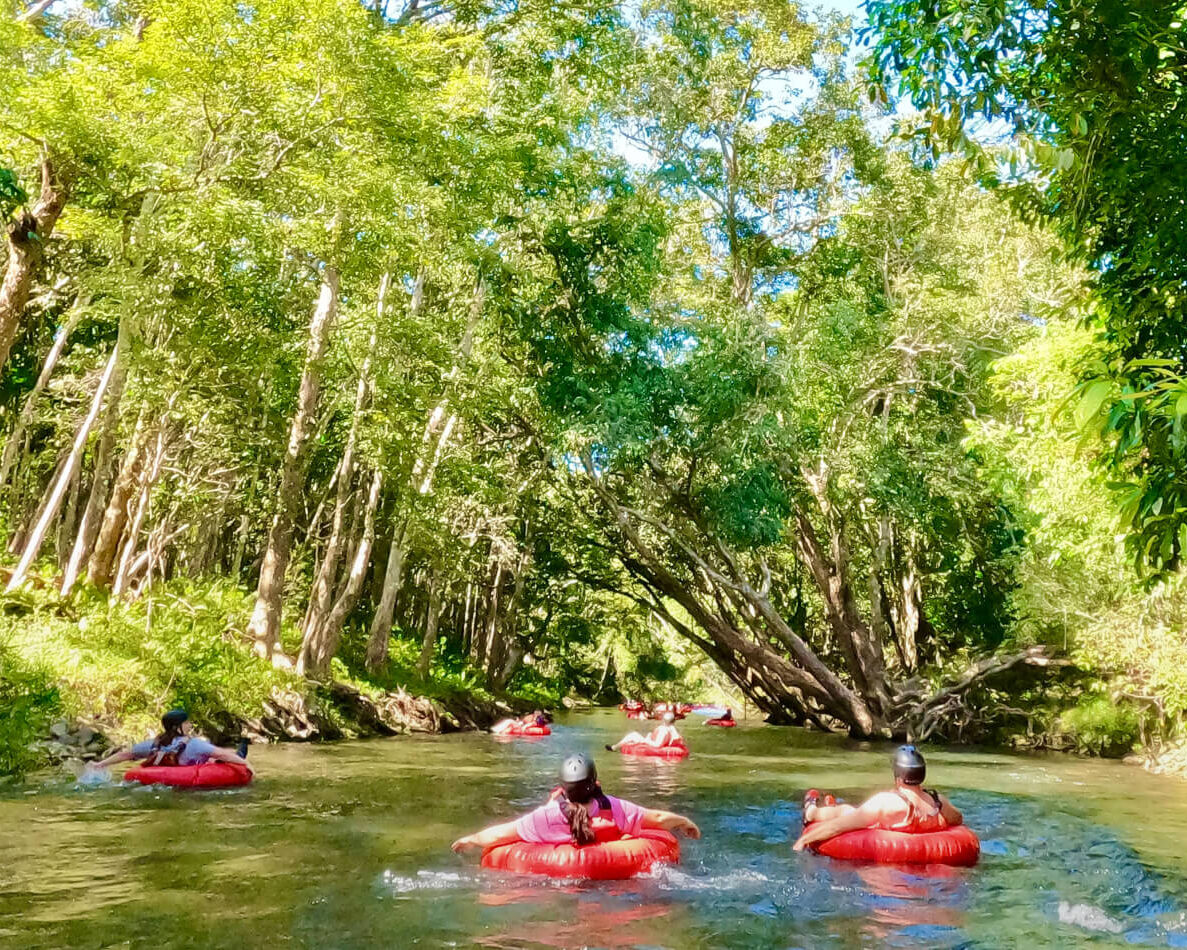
[206, 775]
[724, 723]
[613, 857]
[519, 729]
[674, 751]
[958, 846]
[637, 714]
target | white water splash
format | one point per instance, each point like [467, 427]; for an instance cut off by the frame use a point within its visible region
[421, 881]
[1088, 917]
[671, 878]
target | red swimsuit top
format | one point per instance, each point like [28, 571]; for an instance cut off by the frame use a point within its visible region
[916, 823]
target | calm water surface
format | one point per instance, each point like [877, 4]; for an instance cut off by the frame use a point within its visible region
[347, 845]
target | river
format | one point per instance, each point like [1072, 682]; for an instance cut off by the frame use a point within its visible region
[347, 845]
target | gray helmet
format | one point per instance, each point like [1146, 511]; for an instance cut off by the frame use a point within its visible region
[909, 766]
[578, 767]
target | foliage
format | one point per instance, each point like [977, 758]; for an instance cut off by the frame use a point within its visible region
[123, 664]
[648, 367]
[1096, 91]
[29, 700]
[1100, 725]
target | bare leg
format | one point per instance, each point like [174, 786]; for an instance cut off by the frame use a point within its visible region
[826, 812]
[630, 737]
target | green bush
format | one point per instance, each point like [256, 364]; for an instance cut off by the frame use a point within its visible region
[123, 664]
[1101, 726]
[28, 701]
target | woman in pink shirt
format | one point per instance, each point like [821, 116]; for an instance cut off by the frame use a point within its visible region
[568, 815]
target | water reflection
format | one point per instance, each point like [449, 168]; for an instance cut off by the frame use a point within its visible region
[601, 919]
[346, 846]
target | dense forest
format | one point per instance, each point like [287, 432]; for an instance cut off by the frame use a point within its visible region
[583, 348]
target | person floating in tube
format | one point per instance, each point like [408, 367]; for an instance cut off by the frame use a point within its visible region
[566, 818]
[504, 726]
[175, 745]
[660, 737]
[909, 807]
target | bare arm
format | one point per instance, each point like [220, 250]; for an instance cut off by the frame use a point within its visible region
[125, 755]
[487, 838]
[670, 821]
[950, 812]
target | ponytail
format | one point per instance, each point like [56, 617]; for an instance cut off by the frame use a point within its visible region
[580, 825]
[577, 813]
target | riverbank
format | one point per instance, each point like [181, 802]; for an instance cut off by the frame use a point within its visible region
[79, 677]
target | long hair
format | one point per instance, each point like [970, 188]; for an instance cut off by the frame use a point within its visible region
[574, 803]
[171, 722]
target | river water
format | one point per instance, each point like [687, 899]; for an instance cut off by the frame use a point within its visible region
[347, 845]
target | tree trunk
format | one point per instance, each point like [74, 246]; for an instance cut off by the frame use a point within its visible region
[437, 432]
[381, 623]
[264, 627]
[96, 502]
[321, 641]
[148, 480]
[911, 617]
[28, 235]
[101, 563]
[327, 575]
[429, 642]
[37, 536]
[47, 369]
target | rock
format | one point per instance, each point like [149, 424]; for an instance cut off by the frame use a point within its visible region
[85, 735]
[59, 729]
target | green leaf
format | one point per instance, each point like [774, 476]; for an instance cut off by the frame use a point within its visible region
[1092, 398]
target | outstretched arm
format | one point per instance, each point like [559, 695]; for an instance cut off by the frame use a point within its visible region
[670, 821]
[125, 755]
[487, 838]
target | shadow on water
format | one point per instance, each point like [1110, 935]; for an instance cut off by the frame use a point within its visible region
[347, 846]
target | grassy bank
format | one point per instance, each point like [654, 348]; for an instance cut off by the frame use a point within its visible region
[117, 665]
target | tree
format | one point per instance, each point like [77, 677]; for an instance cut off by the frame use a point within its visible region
[1096, 94]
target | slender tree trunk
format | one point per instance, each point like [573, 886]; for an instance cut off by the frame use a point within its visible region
[66, 524]
[911, 618]
[381, 623]
[321, 643]
[101, 563]
[149, 475]
[37, 537]
[264, 627]
[323, 587]
[28, 235]
[12, 444]
[97, 500]
[437, 432]
[429, 642]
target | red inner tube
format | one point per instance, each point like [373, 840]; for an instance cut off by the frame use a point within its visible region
[957, 846]
[724, 723]
[613, 857]
[206, 775]
[519, 729]
[677, 750]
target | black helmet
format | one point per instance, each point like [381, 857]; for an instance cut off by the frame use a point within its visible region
[578, 767]
[909, 767]
[174, 718]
